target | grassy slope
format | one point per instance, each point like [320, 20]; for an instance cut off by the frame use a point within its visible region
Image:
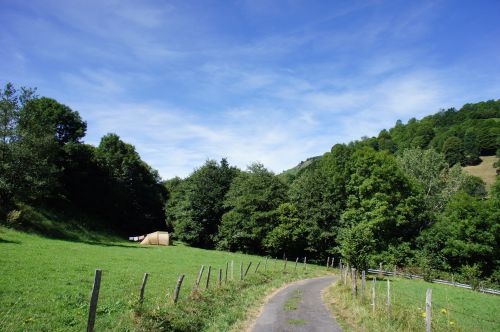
[46, 283]
[303, 164]
[484, 170]
[453, 308]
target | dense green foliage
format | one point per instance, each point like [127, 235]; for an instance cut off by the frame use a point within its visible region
[462, 136]
[400, 198]
[44, 162]
[196, 210]
[252, 200]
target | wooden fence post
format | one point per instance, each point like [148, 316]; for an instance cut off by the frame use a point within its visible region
[143, 287]
[93, 300]
[341, 272]
[284, 267]
[208, 276]
[220, 277]
[363, 284]
[327, 263]
[257, 267]
[178, 287]
[199, 276]
[380, 273]
[305, 263]
[333, 260]
[346, 274]
[388, 296]
[428, 307]
[241, 271]
[353, 282]
[296, 262]
[265, 264]
[374, 282]
[248, 268]
[225, 277]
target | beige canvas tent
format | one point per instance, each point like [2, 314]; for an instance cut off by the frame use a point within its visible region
[157, 238]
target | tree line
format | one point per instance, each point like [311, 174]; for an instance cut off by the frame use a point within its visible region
[400, 198]
[45, 163]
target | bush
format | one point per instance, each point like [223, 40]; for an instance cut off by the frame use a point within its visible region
[425, 264]
[14, 218]
[471, 275]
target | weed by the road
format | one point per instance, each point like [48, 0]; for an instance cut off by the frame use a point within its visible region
[292, 303]
[296, 322]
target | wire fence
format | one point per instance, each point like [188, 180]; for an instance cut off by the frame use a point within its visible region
[217, 278]
[410, 307]
[437, 281]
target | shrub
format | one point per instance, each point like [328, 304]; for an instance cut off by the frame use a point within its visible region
[14, 218]
[471, 275]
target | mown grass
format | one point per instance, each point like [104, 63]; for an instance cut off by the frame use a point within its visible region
[485, 170]
[46, 283]
[453, 309]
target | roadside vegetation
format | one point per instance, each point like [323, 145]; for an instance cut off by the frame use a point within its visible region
[453, 309]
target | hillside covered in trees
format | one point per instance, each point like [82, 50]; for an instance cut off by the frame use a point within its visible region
[400, 198]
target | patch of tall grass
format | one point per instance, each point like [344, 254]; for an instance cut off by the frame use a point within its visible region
[453, 309]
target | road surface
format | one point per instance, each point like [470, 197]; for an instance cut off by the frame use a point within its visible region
[298, 308]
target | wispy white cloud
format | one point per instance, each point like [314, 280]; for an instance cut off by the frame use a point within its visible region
[176, 140]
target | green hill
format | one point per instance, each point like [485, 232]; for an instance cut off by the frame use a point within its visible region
[461, 135]
[46, 285]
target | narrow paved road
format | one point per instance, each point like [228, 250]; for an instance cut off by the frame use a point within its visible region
[298, 307]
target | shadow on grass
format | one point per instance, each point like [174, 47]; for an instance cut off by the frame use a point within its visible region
[9, 241]
[67, 225]
[108, 244]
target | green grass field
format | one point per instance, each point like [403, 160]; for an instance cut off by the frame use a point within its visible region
[46, 283]
[453, 309]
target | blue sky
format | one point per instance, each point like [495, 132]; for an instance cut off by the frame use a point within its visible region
[268, 81]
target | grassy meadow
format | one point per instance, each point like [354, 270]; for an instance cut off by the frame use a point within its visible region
[453, 309]
[46, 284]
[485, 170]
